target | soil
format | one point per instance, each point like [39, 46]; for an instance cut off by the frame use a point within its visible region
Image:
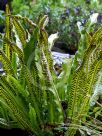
[13, 132]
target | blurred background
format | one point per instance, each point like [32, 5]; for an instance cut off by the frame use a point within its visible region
[63, 17]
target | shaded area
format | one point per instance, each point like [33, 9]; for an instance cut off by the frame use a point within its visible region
[13, 132]
[63, 48]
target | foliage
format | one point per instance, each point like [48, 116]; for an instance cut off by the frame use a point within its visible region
[83, 77]
[63, 16]
[83, 80]
[32, 87]
[98, 91]
[32, 97]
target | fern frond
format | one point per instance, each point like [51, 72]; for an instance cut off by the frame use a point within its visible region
[96, 36]
[32, 93]
[8, 35]
[15, 108]
[91, 80]
[20, 31]
[30, 48]
[43, 22]
[82, 84]
[17, 86]
[97, 91]
[44, 37]
[92, 75]
[16, 49]
[76, 92]
[33, 118]
[88, 39]
[37, 87]
[6, 64]
[25, 19]
[51, 91]
[77, 113]
[21, 77]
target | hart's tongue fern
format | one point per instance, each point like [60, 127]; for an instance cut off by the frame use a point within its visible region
[29, 98]
[40, 103]
[83, 81]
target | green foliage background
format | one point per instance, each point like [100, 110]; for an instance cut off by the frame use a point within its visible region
[63, 16]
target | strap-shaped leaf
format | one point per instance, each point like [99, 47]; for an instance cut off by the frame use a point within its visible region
[21, 77]
[33, 118]
[43, 22]
[37, 87]
[96, 36]
[25, 19]
[75, 93]
[18, 113]
[32, 93]
[16, 49]
[52, 94]
[29, 50]
[17, 86]
[8, 35]
[83, 70]
[44, 40]
[90, 82]
[88, 39]
[6, 64]
[20, 31]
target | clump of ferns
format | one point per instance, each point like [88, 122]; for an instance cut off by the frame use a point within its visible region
[27, 89]
[29, 98]
[83, 78]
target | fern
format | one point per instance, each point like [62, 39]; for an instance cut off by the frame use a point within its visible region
[97, 91]
[16, 49]
[83, 82]
[7, 35]
[20, 31]
[17, 111]
[29, 88]
[6, 64]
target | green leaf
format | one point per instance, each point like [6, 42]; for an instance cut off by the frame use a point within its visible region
[6, 64]
[8, 35]
[20, 31]
[33, 117]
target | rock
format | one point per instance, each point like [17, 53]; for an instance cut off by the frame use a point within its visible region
[59, 58]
